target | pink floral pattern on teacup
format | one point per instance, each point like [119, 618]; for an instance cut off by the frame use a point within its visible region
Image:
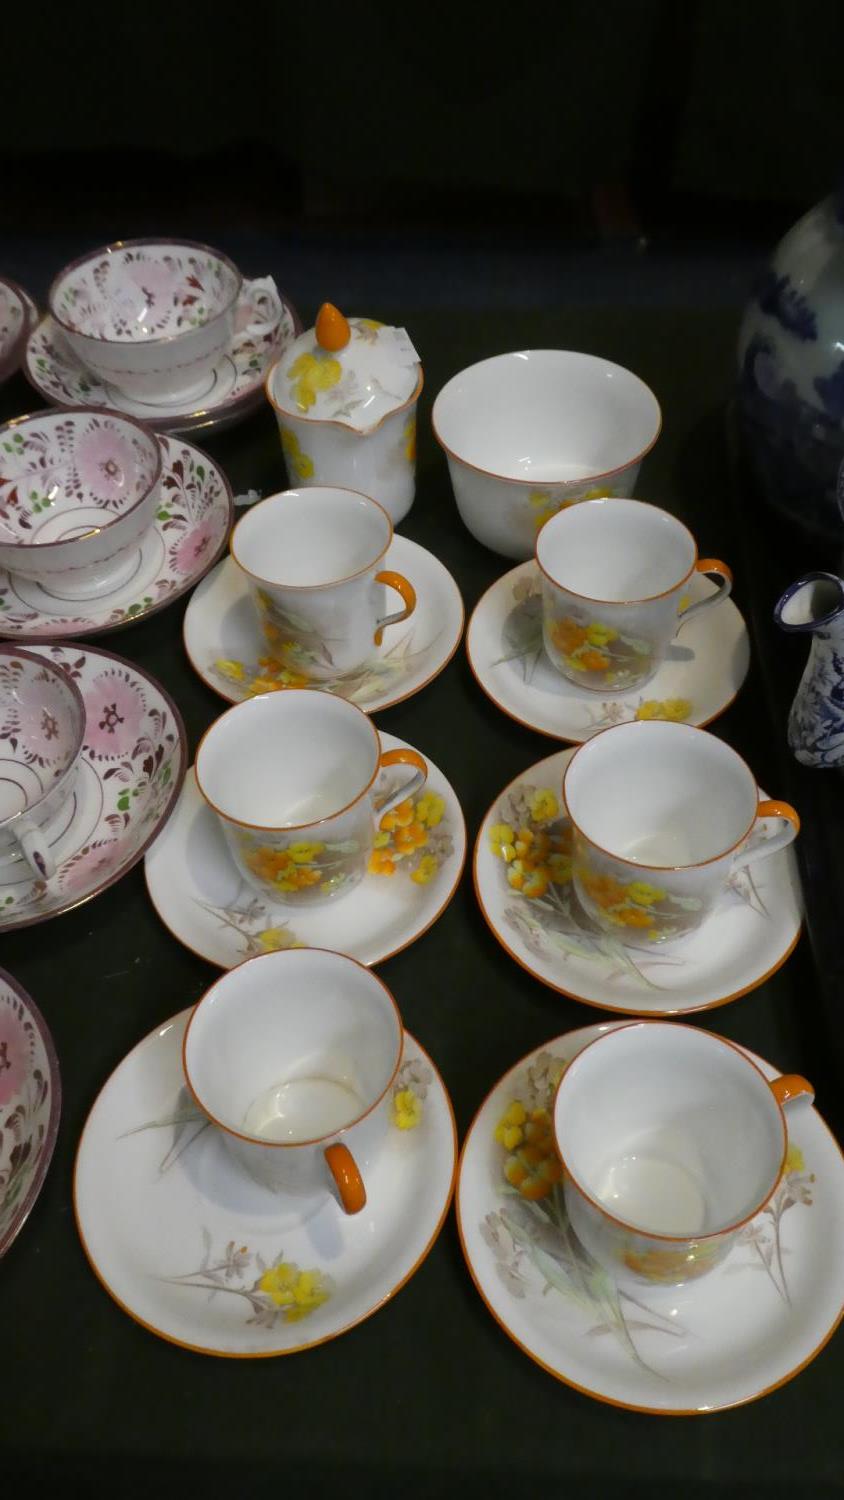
[139, 292]
[187, 554]
[16, 1051]
[40, 714]
[93, 865]
[115, 706]
[59, 462]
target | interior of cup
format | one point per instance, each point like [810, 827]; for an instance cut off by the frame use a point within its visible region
[287, 759]
[313, 1020]
[42, 727]
[137, 291]
[304, 538]
[669, 1129]
[660, 794]
[615, 551]
[546, 416]
[68, 474]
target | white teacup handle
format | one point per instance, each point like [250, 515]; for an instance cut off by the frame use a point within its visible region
[35, 851]
[786, 815]
[409, 788]
[720, 569]
[267, 306]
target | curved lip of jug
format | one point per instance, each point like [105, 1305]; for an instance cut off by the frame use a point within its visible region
[802, 626]
[358, 432]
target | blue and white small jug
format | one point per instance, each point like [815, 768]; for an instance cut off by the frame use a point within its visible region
[815, 606]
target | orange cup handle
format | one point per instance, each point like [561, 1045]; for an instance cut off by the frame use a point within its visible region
[398, 582]
[789, 829]
[344, 1170]
[791, 1086]
[720, 569]
[409, 788]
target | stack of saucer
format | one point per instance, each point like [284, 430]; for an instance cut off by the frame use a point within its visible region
[101, 521]
[162, 329]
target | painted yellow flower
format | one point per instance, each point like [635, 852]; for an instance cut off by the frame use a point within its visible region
[644, 894]
[683, 603]
[310, 374]
[300, 463]
[234, 670]
[273, 939]
[544, 806]
[794, 1161]
[407, 1109]
[400, 817]
[598, 494]
[675, 709]
[532, 845]
[414, 836]
[543, 505]
[425, 870]
[409, 435]
[533, 1167]
[559, 868]
[501, 840]
[598, 634]
[508, 1132]
[304, 853]
[663, 1267]
[430, 809]
[381, 840]
[296, 1292]
[532, 880]
[381, 862]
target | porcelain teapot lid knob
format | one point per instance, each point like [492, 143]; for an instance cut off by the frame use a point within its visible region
[332, 329]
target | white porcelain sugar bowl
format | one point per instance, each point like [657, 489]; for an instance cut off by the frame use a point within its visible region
[345, 396]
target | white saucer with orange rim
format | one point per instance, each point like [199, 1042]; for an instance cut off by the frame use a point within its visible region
[542, 926]
[734, 1335]
[224, 646]
[705, 667]
[197, 891]
[205, 1258]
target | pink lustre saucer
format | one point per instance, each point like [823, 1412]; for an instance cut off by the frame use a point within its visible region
[235, 387]
[211, 1261]
[188, 534]
[130, 775]
[18, 316]
[30, 1105]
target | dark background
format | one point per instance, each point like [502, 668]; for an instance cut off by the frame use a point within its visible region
[603, 177]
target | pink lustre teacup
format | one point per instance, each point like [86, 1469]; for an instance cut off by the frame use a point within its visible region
[291, 776]
[42, 730]
[662, 814]
[312, 558]
[672, 1140]
[615, 590]
[291, 1055]
[78, 492]
[152, 317]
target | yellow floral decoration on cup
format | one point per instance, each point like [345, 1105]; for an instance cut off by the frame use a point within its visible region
[301, 464]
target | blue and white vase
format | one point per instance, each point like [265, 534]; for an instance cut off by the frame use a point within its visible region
[791, 372]
[814, 605]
